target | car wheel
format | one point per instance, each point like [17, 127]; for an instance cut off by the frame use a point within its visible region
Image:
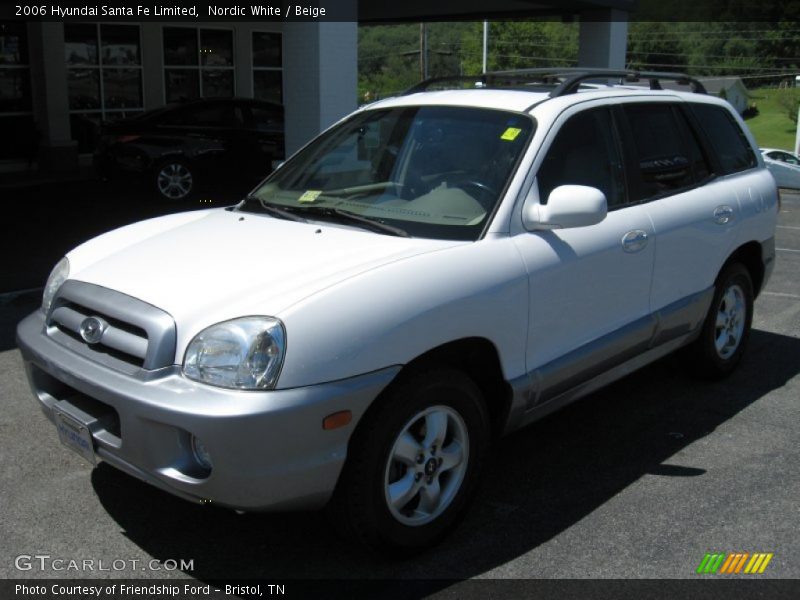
[726, 329]
[174, 180]
[413, 464]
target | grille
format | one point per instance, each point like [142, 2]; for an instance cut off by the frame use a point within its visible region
[133, 335]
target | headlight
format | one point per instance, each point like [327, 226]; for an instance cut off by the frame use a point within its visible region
[244, 354]
[58, 276]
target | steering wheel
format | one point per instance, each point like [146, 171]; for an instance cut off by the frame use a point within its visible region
[479, 185]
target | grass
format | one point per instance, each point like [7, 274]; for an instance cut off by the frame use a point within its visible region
[772, 127]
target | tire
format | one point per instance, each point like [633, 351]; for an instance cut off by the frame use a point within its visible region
[726, 330]
[173, 180]
[369, 504]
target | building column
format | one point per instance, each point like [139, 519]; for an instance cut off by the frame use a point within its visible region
[152, 65]
[320, 77]
[603, 39]
[57, 151]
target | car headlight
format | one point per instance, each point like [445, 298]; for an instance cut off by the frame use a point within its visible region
[243, 354]
[58, 275]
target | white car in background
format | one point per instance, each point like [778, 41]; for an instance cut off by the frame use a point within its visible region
[784, 166]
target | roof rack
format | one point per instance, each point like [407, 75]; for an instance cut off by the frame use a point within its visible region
[566, 80]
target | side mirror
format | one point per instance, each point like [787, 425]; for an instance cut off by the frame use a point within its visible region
[567, 206]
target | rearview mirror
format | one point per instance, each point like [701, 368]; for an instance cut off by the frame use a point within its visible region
[567, 206]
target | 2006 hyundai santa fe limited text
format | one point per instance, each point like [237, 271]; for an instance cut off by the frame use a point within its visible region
[435, 270]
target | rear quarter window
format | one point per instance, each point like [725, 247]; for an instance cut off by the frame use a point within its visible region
[729, 142]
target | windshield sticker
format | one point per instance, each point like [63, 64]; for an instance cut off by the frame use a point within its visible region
[511, 134]
[309, 196]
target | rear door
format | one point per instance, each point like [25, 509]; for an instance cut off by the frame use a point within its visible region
[684, 185]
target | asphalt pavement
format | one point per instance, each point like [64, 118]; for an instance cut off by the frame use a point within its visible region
[639, 480]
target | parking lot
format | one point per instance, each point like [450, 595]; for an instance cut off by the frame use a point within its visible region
[639, 480]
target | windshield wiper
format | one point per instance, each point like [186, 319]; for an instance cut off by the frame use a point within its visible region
[273, 210]
[344, 215]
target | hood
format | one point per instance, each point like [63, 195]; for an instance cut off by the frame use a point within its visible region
[208, 266]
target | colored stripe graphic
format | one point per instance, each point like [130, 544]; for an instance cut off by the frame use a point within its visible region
[710, 563]
[734, 562]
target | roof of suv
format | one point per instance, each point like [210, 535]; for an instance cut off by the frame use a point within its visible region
[521, 90]
[519, 100]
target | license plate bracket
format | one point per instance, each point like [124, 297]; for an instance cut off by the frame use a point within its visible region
[75, 435]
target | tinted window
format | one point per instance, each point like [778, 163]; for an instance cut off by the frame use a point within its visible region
[584, 153]
[660, 153]
[728, 140]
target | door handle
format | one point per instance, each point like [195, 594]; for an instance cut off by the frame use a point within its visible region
[634, 240]
[723, 214]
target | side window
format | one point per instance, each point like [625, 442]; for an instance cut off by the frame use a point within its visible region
[787, 158]
[585, 152]
[728, 140]
[701, 168]
[663, 158]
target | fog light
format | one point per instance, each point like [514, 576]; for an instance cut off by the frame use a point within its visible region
[201, 454]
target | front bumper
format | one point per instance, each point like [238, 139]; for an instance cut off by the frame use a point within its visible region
[268, 449]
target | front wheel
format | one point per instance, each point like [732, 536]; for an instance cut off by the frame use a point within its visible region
[413, 464]
[726, 329]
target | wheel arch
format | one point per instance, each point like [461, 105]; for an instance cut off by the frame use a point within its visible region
[750, 254]
[479, 359]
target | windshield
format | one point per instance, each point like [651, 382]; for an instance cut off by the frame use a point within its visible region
[432, 171]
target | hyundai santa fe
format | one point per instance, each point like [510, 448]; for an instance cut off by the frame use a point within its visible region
[433, 271]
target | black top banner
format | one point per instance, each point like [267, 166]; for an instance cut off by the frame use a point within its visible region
[378, 11]
[181, 10]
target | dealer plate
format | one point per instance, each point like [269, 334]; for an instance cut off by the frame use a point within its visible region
[75, 436]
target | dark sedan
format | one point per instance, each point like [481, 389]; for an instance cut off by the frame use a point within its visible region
[175, 148]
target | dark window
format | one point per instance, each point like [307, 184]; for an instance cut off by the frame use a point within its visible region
[15, 92]
[120, 45]
[660, 153]
[80, 44]
[122, 88]
[182, 84]
[701, 169]
[216, 48]
[13, 43]
[728, 140]
[584, 152]
[268, 85]
[267, 50]
[205, 115]
[217, 83]
[198, 63]
[267, 64]
[180, 46]
[84, 88]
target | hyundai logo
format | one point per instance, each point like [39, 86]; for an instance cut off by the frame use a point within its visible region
[92, 329]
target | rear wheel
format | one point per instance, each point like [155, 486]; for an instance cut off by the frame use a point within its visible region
[174, 180]
[726, 329]
[413, 464]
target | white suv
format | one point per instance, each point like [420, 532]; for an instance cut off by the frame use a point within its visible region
[436, 269]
